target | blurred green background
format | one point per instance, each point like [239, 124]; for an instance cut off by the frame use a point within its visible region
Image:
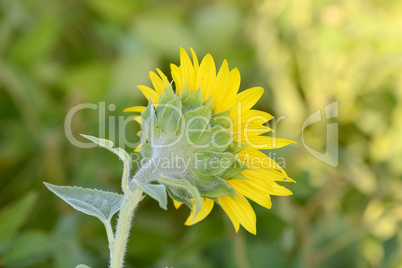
[55, 55]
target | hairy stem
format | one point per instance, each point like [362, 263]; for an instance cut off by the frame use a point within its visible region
[110, 236]
[130, 202]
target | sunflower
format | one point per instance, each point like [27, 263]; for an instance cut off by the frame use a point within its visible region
[238, 134]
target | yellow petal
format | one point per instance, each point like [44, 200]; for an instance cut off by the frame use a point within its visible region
[270, 185]
[177, 78]
[234, 84]
[177, 204]
[222, 80]
[188, 70]
[149, 93]
[135, 109]
[228, 210]
[244, 101]
[231, 91]
[138, 149]
[239, 211]
[207, 72]
[253, 117]
[138, 119]
[249, 131]
[253, 191]
[207, 205]
[165, 81]
[156, 82]
[271, 174]
[264, 142]
[195, 60]
[256, 159]
[275, 174]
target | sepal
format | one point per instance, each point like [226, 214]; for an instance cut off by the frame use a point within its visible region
[222, 119]
[211, 186]
[239, 176]
[185, 185]
[236, 147]
[195, 123]
[213, 163]
[168, 96]
[215, 139]
[180, 196]
[146, 147]
[148, 120]
[185, 92]
[192, 102]
[156, 191]
[236, 168]
[170, 118]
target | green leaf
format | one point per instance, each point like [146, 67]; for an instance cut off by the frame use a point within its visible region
[71, 252]
[122, 154]
[30, 247]
[100, 204]
[184, 185]
[14, 215]
[93, 75]
[36, 42]
[156, 191]
[108, 144]
[213, 163]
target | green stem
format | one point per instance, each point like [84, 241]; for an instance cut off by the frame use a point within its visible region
[240, 250]
[110, 236]
[130, 202]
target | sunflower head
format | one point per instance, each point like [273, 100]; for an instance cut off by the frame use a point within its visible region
[201, 141]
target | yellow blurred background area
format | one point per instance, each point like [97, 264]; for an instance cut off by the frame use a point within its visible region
[332, 74]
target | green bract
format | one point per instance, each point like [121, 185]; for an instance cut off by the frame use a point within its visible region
[189, 150]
